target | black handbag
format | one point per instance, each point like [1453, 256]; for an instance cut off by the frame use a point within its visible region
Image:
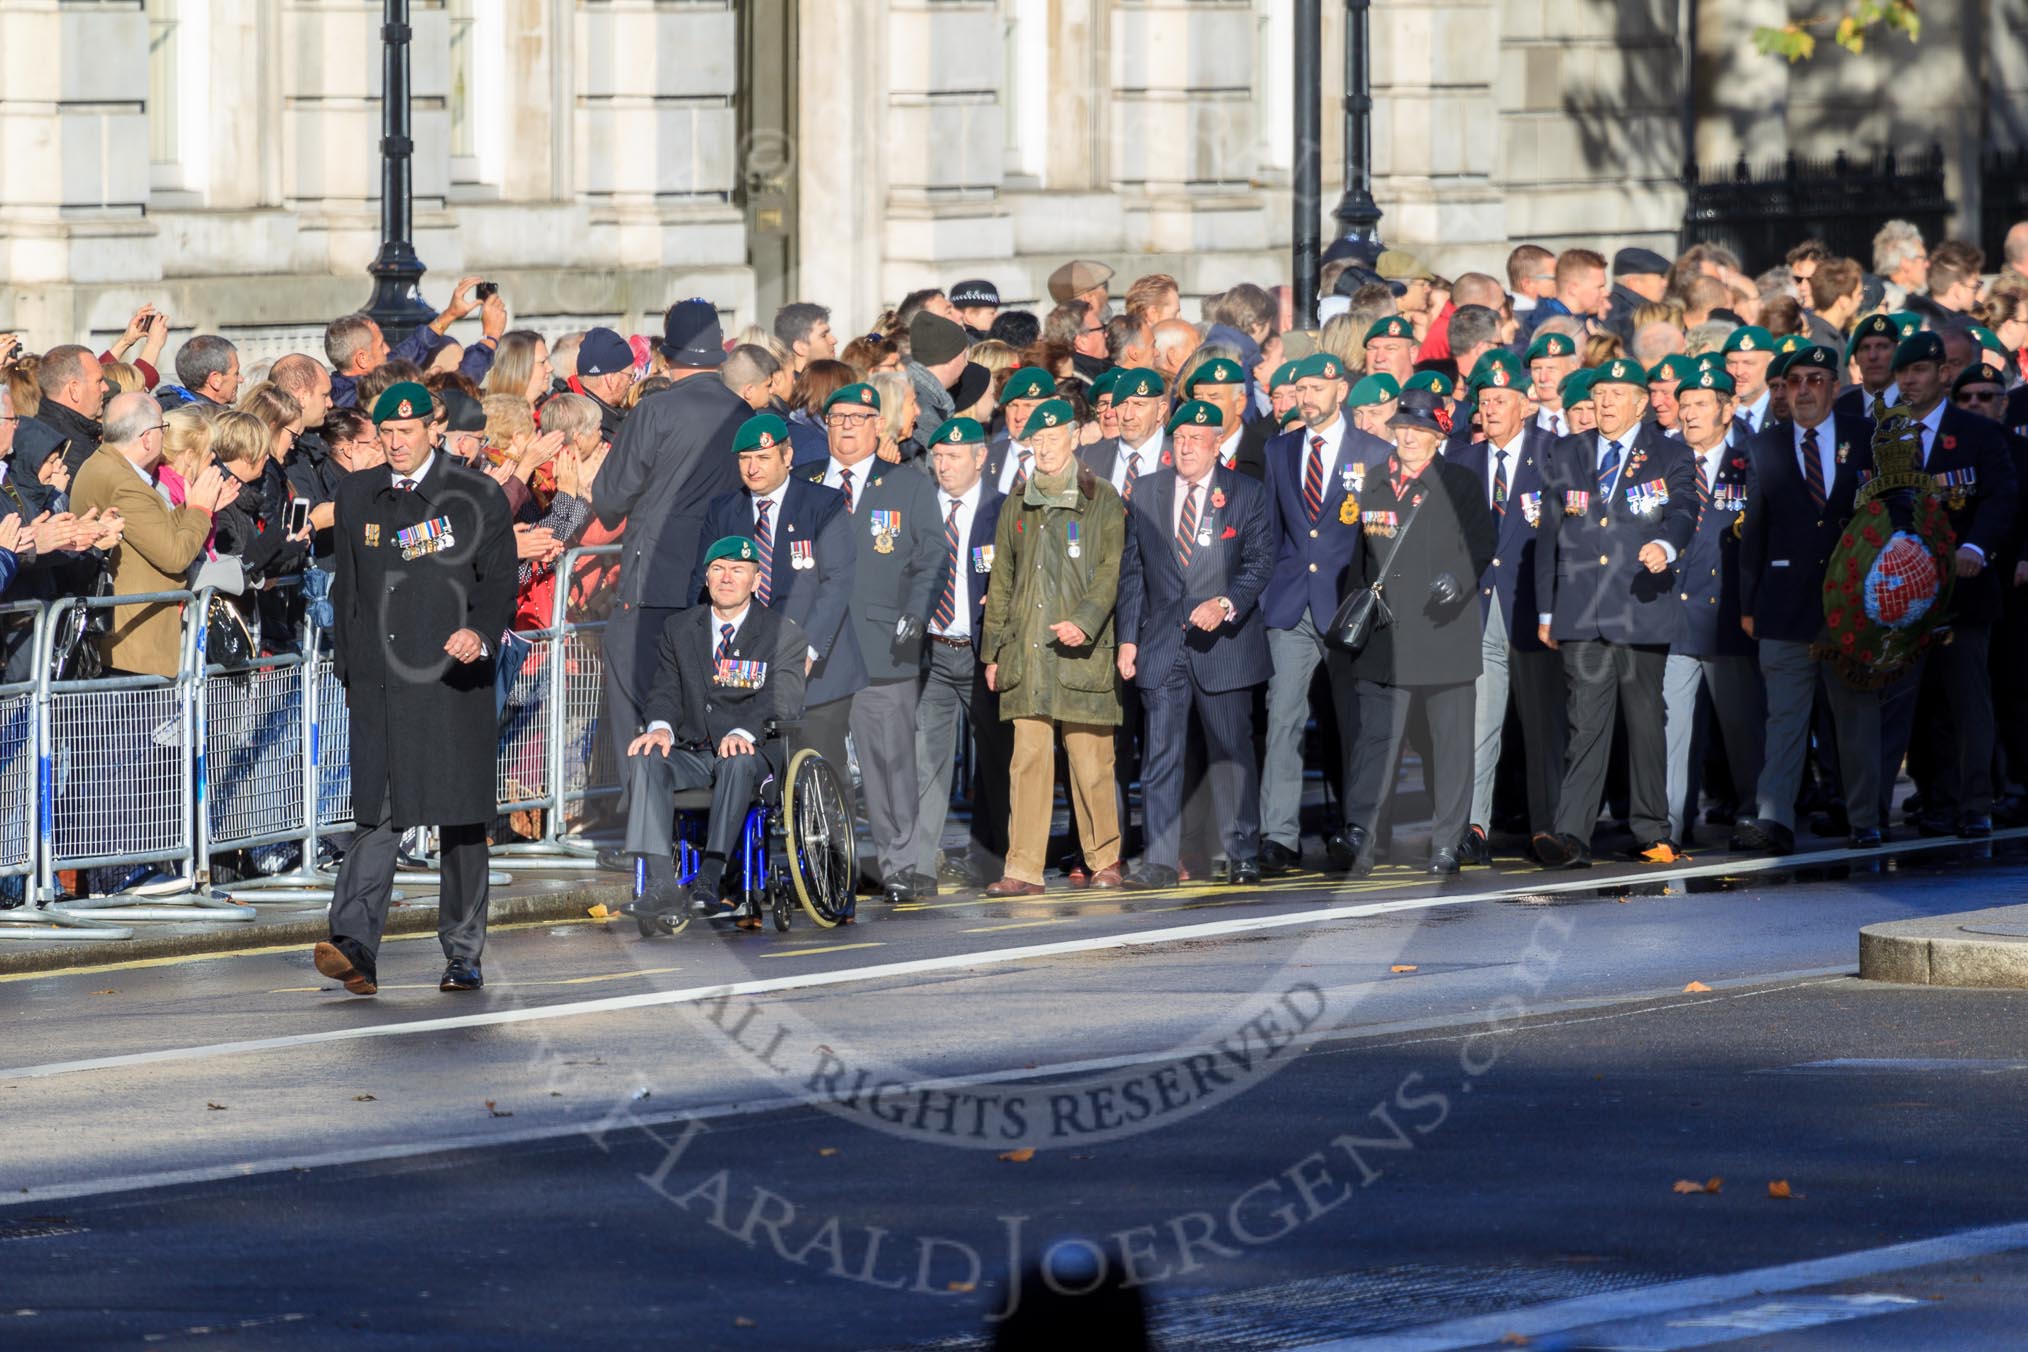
[1364, 613]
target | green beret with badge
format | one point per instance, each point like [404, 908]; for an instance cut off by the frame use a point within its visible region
[1907, 323]
[1377, 388]
[857, 393]
[1217, 371]
[1872, 326]
[1620, 371]
[1551, 345]
[1497, 369]
[1285, 374]
[1195, 412]
[738, 548]
[403, 399]
[1436, 382]
[1051, 413]
[1748, 338]
[1987, 340]
[1918, 347]
[1103, 386]
[1390, 326]
[1778, 368]
[1139, 383]
[1575, 388]
[1320, 366]
[1673, 370]
[761, 432]
[960, 432]
[1711, 361]
[1811, 358]
[1707, 380]
[1032, 382]
[1978, 373]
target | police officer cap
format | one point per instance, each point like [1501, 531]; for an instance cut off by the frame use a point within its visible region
[1285, 374]
[1033, 382]
[1575, 388]
[1195, 412]
[1435, 382]
[1808, 359]
[1391, 326]
[761, 432]
[691, 337]
[1138, 383]
[735, 547]
[1979, 373]
[1320, 366]
[1551, 345]
[1497, 369]
[960, 432]
[856, 393]
[1620, 371]
[1102, 386]
[604, 353]
[1673, 370]
[1377, 388]
[977, 292]
[1918, 347]
[1748, 338]
[403, 399]
[1217, 371]
[1051, 413]
[1707, 380]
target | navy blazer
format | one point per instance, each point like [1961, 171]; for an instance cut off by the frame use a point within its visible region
[1588, 574]
[2016, 416]
[1785, 539]
[1157, 595]
[809, 440]
[814, 525]
[978, 554]
[1707, 576]
[1511, 575]
[1972, 452]
[1311, 558]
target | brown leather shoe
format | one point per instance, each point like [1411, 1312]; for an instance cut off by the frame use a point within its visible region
[1108, 879]
[1014, 887]
[1077, 878]
[331, 961]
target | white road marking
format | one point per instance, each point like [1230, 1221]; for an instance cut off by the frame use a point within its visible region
[1696, 1293]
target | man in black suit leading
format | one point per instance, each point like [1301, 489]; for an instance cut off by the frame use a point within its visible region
[898, 543]
[424, 588]
[724, 670]
[1200, 549]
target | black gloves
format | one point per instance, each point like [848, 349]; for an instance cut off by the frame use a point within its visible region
[907, 631]
[1445, 590]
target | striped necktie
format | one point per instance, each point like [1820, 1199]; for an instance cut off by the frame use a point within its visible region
[1021, 472]
[1703, 483]
[1313, 479]
[1813, 467]
[764, 537]
[845, 487]
[1608, 468]
[724, 653]
[1186, 526]
[1499, 483]
[1133, 473]
[947, 602]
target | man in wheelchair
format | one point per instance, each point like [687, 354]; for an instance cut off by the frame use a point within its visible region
[726, 671]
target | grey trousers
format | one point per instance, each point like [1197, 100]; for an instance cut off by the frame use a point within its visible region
[1736, 695]
[1534, 677]
[1383, 719]
[954, 681]
[366, 884]
[1605, 678]
[654, 780]
[1296, 654]
[1793, 680]
[883, 735]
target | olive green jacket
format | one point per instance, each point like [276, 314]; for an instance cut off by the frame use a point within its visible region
[1036, 583]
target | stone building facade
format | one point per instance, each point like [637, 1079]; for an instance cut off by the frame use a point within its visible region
[599, 158]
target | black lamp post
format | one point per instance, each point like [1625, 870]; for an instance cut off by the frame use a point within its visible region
[396, 304]
[1307, 185]
[1356, 215]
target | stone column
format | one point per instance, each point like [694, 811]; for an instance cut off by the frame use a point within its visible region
[1436, 64]
[842, 62]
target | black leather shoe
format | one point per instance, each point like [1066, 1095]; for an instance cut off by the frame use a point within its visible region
[1474, 848]
[1974, 826]
[1277, 858]
[1832, 821]
[1343, 846]
[616, 861]
[1155, 875]
[922, 884]
[1865, 838]
[1245, 873]
[1444, 863]
[461, 975]
[1762, 835]
[896, 892]
[1927, 825]
[1561, 850]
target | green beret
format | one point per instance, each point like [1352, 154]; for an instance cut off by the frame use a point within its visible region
[1436, 382]
[1289, 415]
[1707, 380]
[1907, 323]
[1285, 374]
[960, 432]
[737, 547]
[761, 432]
[1497, 368]
[1551, 345]
[1790, 343]
[1988, 340]
[1050, 413]
[1779, 367]
[1139, 383]
[1748, 338]
[1321, 366]
[1390, 326]
[403, 399]
[858, 393]
[1103, 386]
[1377, 388]
[1711, 361]
[1812, 357]
[1872, 326]
[1217, 371]
[1979, 373]
[1672, 370]
[1918, 347]
[1197, 412]
[1032, 382]
[1575, 388]
[1620, 371]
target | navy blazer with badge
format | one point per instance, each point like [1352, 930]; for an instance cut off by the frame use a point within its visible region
[1511, 575]
[896, 572]
[1974, 470]
[1310, 559]
[817, 595]
[1785, 538]
[1588, 575]
[978, 554]
[1157, 595]
[1707, 576]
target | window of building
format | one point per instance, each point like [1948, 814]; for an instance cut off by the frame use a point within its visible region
[177, 149]
[1024, 26]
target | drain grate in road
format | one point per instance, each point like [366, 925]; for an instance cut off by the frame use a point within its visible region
[1373, 1300]
[39, 1227]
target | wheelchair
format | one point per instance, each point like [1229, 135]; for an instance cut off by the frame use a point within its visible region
[796, 846]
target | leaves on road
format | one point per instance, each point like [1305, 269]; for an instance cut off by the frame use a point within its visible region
[960, 1287]
[215, 1107]
[740, 1321]
[1695, 986]
[363, 1098]
[107, 991]
[497, 1111]
[1779, 1190]
[1690, 1185]
[1403, 967]
[1021, 1156]
[1515, 1340]
[599, 912]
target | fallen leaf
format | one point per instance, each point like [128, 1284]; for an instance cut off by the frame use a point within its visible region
[1779, 1190]
[1695, 986]
[216, 1107]
[827, 1150]
[107, 991]
[599, 912]
[362, 1098]
[1691, 1185]
[1021, 1156]
[1515, 1340]
[1402, 967]
[740, 1321]
[1713, 1184]
[496, 1112]
[960, 1286]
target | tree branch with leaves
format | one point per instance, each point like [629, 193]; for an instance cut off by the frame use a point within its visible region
[1797, 39]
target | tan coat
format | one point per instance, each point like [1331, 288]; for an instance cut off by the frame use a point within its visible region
[160, 544]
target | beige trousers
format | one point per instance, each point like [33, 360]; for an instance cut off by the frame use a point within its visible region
[1089, 748]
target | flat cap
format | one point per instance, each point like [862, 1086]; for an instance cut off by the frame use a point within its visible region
[1639, 263]
[1076, 277]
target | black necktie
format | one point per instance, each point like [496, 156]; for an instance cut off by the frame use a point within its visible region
[405, 485]
[1500, 483]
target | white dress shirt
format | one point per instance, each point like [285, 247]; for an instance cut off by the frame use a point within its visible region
[1755, 413]
[1009, 466]
[718, 623]
[774, 501]
[834, 476]
[1512, 450]
[1150, 460]
[961, 566]
[1183, 487]
[395, 476]
[1553, 420]
[1827, 452]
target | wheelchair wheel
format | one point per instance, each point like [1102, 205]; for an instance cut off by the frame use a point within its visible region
[818, 836]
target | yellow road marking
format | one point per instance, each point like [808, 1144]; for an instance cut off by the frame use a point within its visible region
[1023, 924]
[818, 949]
[504, 985]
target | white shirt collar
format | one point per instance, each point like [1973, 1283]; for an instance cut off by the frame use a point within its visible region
[737, 622]
[775, 498]
[967, 500]
[395, 476]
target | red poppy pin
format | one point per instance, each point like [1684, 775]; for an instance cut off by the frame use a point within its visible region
[1217, 499]
[1168, 459]
[1950, 443]
[1739, 464]
[1230, 533]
